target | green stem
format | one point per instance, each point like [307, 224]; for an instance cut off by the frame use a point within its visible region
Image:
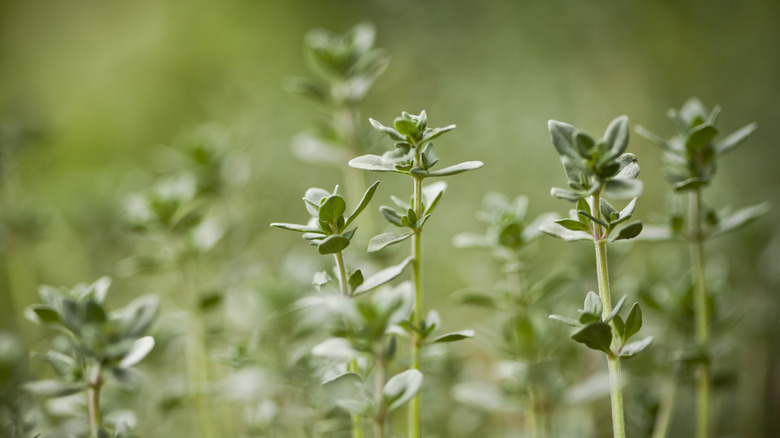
[533, 426]
[357, 427]
[343, 286]
[415, 428]
[379, 384]
[666, 408]
[93, 399]
[703, 378]
[613, 360]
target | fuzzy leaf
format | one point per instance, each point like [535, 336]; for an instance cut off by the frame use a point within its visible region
[53, 388]
[433, 133]
[401, 388]
[623, 188]
[455, 336]
[592, 304]
[596, 336]
[633, 322]
[458, 168]
[735, 139]
[141, 347]
[374, 163]
[617, 134]
[333, 244]
[558, 231]
[566, 194]
[363, 204]
[571, 224]
[635, 348]
[298, 228]
[629, 231]
[562, 135]
[741, 217]
[566, 320]
[384, 276]
[386, 239]
[616, 309]
[392, 133]
[332, 208]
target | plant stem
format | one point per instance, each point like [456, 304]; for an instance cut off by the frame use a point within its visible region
[703, 378]
[616, 390]
[533, 426]
[379, 384]
[343, 286]
[665, 410]
[415, 429]
[93, 399]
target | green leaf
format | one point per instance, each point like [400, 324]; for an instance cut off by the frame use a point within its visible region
[141, 347]
[735, 139]
[626, 213]
[333, 244]
[355, 280]
[138, 316]
[43, 314]
[616, 309]
[406, 127]
[94, 312]
[562, 134]
[592, 218]
[312, 199]
[596, 336]
[209, 301]
[583, 205]
[386, 239]
[455, 336]
[392, 133]
[571, 224]
[336, 349]
[690, 184]
[384, 276]
[635, 348]
[653, 138]
[622, 188]
[432, 194]
[346, 385]
[586, 317]
[616, 135]
[566, 194]
[558, 231]
[458, 168]
[741, 217]
[475, 299]
[363, 203]
[607, 210]
[332, 208]
[436, 132]
[633, 322]
[566, 320]
[583, 143]
[53, 388]
[629, 231]
[619, 325]
[374, 163]
[699, 136]
[429, 158]
[592, 304]
[392, 216]
[401, 388]
[628, 166]
[298, 228]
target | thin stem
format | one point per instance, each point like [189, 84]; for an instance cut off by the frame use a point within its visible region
[344, 287]
[666, 408]
[613, 360]
[533, 426]
[703, 378]
[93, 399]
[415, 428]
[379, 384]
[357, 429]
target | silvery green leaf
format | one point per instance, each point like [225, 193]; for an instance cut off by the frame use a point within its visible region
[333, 244]
[384, 276]
[363, 203]
[374, 163]
[623, 188]
[558, 231]
[566, 194]
[633, 322]
[297, 227]
[562, 135]
[386, 239]
[454, 336]
[699, 136]
[566, 320]
[655, 233]
[735, 139]
[616, 309]
[53, 388]
[628, 166]
[336, 349]
[592, 304]
[653, 138]
[401, 388]
[436, 132]
[346, 385]
[141, 347]
[635, 348]
[595, 335]
[458, 168]
[571, 224]
[432, 193]
[392, 133]
[629, 231]
[625, 214]
[740, 218]
[690, 184]
[312, 199]
[332, 208]
[617, 134]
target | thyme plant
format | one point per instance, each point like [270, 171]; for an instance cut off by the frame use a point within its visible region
[98, 343]
[413, 156]
[596, 169]
[328, 230]
[691, 159]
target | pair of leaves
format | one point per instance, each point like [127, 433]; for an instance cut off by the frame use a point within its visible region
[348, 389]
[579, 225]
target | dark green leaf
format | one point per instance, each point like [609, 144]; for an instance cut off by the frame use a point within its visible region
[586, 318]
[690, 184]
[384, 276]
[593, 218]
[332, 208]
[43, 314]
[699, 136]
[333, 244]
[596, 336]
[629, 231]
[620, 326]
[386, 239]
[209, 301]
[363, 203]
[94, 312]
[633, 322]
[571, 224]
[458, 168]
[735, 139]
[476, 299]
[583, 143]
[635, 348]
[392, 216]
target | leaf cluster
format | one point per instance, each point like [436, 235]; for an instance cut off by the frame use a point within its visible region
[607, 333]
[592, 165]
[327, 229]
[691, 155]
[580, 224]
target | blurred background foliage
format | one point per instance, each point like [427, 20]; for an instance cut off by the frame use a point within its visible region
[103, 100]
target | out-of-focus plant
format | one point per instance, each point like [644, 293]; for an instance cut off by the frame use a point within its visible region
[595, 169]
[328, 230]
[691, 159]
[99, 343]
[414, 156]
[527, 343]
[344, 68]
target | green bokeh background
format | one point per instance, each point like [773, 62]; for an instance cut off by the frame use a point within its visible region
[90, 90]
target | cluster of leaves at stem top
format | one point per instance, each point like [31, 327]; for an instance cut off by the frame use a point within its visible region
[691, 158]
[415, 156]
[344, 68]
[595, 169]
[99, 342]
